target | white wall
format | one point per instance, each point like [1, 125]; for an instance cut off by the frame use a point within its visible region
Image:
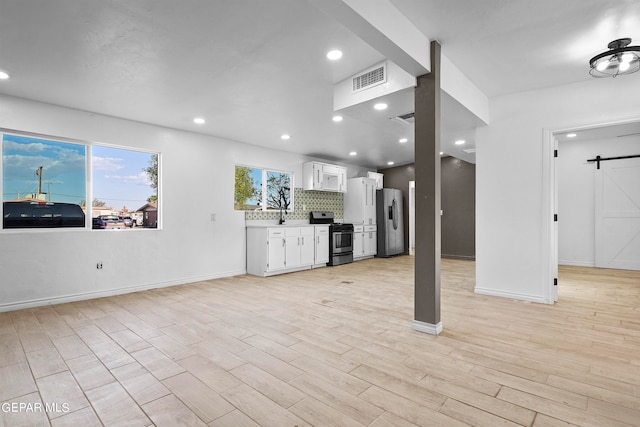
[576, 194]
[512, 175]
[197, 178]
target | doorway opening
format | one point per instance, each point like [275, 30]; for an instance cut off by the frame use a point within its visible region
[596, 212]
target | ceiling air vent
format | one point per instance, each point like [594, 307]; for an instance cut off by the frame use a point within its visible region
[372, 77]
[405, 119]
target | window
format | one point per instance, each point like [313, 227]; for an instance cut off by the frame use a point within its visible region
[263, 189]
[43, 182]
[125, 187]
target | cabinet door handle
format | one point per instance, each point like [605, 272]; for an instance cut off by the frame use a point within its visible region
[284, 242]
[318, 239]
[302, 240]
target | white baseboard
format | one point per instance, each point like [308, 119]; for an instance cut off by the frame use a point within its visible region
[511, 295]
[12, 306]
[427, 328]
[576, 263]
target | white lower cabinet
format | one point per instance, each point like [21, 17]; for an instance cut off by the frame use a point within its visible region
[370, 237]
[365, 244]
[358, 241]
[275, 250]
[322, 245]
[307, 245]
[292, 247]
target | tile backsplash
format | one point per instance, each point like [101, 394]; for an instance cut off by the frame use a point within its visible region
[305, 201]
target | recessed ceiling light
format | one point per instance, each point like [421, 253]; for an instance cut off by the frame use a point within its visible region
[403, 140]
[3, 75]
[459, 142]
[337, 118]
[199, 121]
[389, 163]
[334, 54]
[442, 153]
[571, 135]
[380, 106]
[352, 153]
[285, 137]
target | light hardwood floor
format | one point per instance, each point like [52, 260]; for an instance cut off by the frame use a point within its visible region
[329, 347]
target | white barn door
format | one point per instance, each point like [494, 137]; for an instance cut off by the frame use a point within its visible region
[617, 214]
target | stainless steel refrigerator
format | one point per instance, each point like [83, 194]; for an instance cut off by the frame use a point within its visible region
[389, 219]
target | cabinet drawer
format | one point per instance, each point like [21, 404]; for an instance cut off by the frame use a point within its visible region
[358, 228]
[370, 228]
[322, 230]
[276, 232]
[292, 231]
[306, 231]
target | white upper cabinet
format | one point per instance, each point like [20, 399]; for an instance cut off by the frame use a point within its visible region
[324, 177]
[360, 201]
[378, 177]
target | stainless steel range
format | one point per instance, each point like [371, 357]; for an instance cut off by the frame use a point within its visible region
[340, 237]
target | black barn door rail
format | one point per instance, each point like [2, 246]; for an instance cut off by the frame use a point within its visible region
[599, 159]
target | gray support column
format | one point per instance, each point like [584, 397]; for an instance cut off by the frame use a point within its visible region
[427, 198]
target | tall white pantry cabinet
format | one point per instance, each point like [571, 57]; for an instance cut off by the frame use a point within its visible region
[360, 209]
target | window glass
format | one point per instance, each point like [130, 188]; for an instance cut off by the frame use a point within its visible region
[43, 182]
[260, 189]
[278, 192]
[125, 188]
[248, 189]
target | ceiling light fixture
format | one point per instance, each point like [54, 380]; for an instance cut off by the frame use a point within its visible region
[3, 75]
[459, 142]
[199, 121]
[380, 106]
[334, 54]
[571, 135]
[442, 153]
[619, 59]
[390, 163]
[285, 137]
[352, 153]
[402, 140]
[337, 118]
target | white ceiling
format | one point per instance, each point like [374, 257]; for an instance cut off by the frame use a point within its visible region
[255, 69]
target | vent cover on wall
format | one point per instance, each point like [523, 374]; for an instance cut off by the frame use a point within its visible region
[373, 77]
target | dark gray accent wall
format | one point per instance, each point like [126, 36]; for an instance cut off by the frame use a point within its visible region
[458, 199]
[459, 208]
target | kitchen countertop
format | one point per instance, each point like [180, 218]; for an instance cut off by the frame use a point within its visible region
[272, 224]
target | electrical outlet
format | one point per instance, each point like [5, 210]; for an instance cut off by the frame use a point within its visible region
[99, 266]
[213, 217]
